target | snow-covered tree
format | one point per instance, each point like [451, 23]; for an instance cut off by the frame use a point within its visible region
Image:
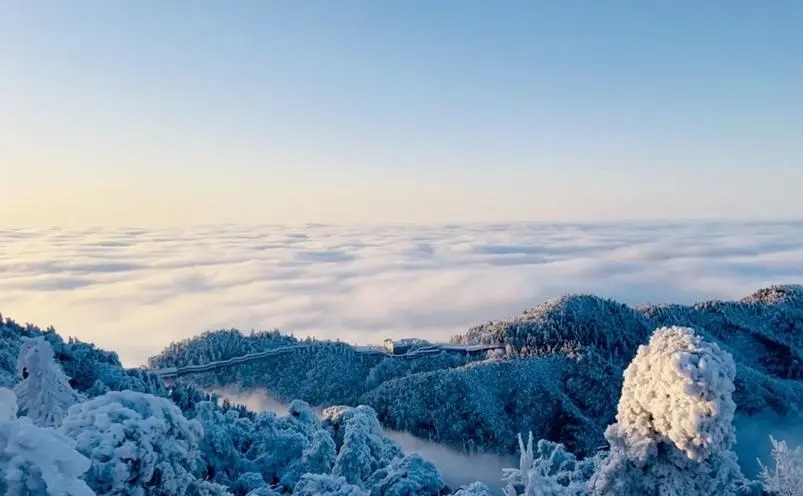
[548, 470]
[474, 489]
[318, 457]
[364, 449]
[673, 433]
[207, 488]
[406, 476]
[786, 479]
[36, 461]
[247, 482]
[139, 444]
[44, 394]
[226, 438]
[8, 405]
[263, 491]
[288, 447]
[326, 485]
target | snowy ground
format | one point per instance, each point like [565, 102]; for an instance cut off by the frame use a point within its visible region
[135, 290]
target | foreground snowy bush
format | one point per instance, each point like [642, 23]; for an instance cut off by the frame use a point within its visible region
[139, 444]
[475, 489]
[406, 476]
[786, 479]
[548, 470]
[207, 488]
[326, 485]
[263, 491]
[674, 430]
[36, 461]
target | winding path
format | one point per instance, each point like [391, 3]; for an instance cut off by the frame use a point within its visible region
[173, 372]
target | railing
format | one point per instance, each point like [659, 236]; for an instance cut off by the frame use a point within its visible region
[173, 372]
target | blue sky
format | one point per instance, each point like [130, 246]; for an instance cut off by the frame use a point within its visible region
[147, 112]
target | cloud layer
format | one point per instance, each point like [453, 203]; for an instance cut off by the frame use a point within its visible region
[136, 290]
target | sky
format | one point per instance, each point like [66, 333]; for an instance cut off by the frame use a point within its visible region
[153, 113]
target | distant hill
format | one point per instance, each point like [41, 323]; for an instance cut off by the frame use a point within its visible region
[559, 375]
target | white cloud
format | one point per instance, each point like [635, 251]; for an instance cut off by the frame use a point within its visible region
[135, 290]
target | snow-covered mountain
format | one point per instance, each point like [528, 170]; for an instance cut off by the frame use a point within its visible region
[559, 375]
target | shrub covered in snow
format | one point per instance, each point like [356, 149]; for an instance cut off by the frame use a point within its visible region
[263, 491]
[548, 470]
[36, 461]
[406, 476]
[227, 437]
[474, 489]
[326, 485]
[786, 478]
[285, 448]
[207, 488]
[364, 448]
[139, 444]
[673, 432]
[247, 482]
[44, 394]
[317, 457]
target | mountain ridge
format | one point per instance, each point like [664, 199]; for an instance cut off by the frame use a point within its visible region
[559, 374]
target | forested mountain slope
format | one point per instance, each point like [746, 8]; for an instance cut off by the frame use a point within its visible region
[114, 431]
[559, 375]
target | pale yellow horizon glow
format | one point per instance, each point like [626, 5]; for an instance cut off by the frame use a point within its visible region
[163, 202]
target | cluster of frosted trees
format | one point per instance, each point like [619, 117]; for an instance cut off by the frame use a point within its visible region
[673, 435]
[54, 441]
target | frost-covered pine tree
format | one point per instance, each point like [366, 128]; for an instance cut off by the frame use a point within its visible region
[364, 449]
[318, 457]
[207, 488]
[673, 433]
[326, 485]
[474, 489]
[248, 482]
[44, 394]
[139, 444]
[786, 478]
[411, 474]
[36, 461]
[225, 437]
[547, 470]
[263, 491]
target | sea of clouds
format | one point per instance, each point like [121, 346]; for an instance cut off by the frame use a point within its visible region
[136, 290]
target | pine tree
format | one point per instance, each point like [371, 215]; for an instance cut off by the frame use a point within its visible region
[44, 394]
